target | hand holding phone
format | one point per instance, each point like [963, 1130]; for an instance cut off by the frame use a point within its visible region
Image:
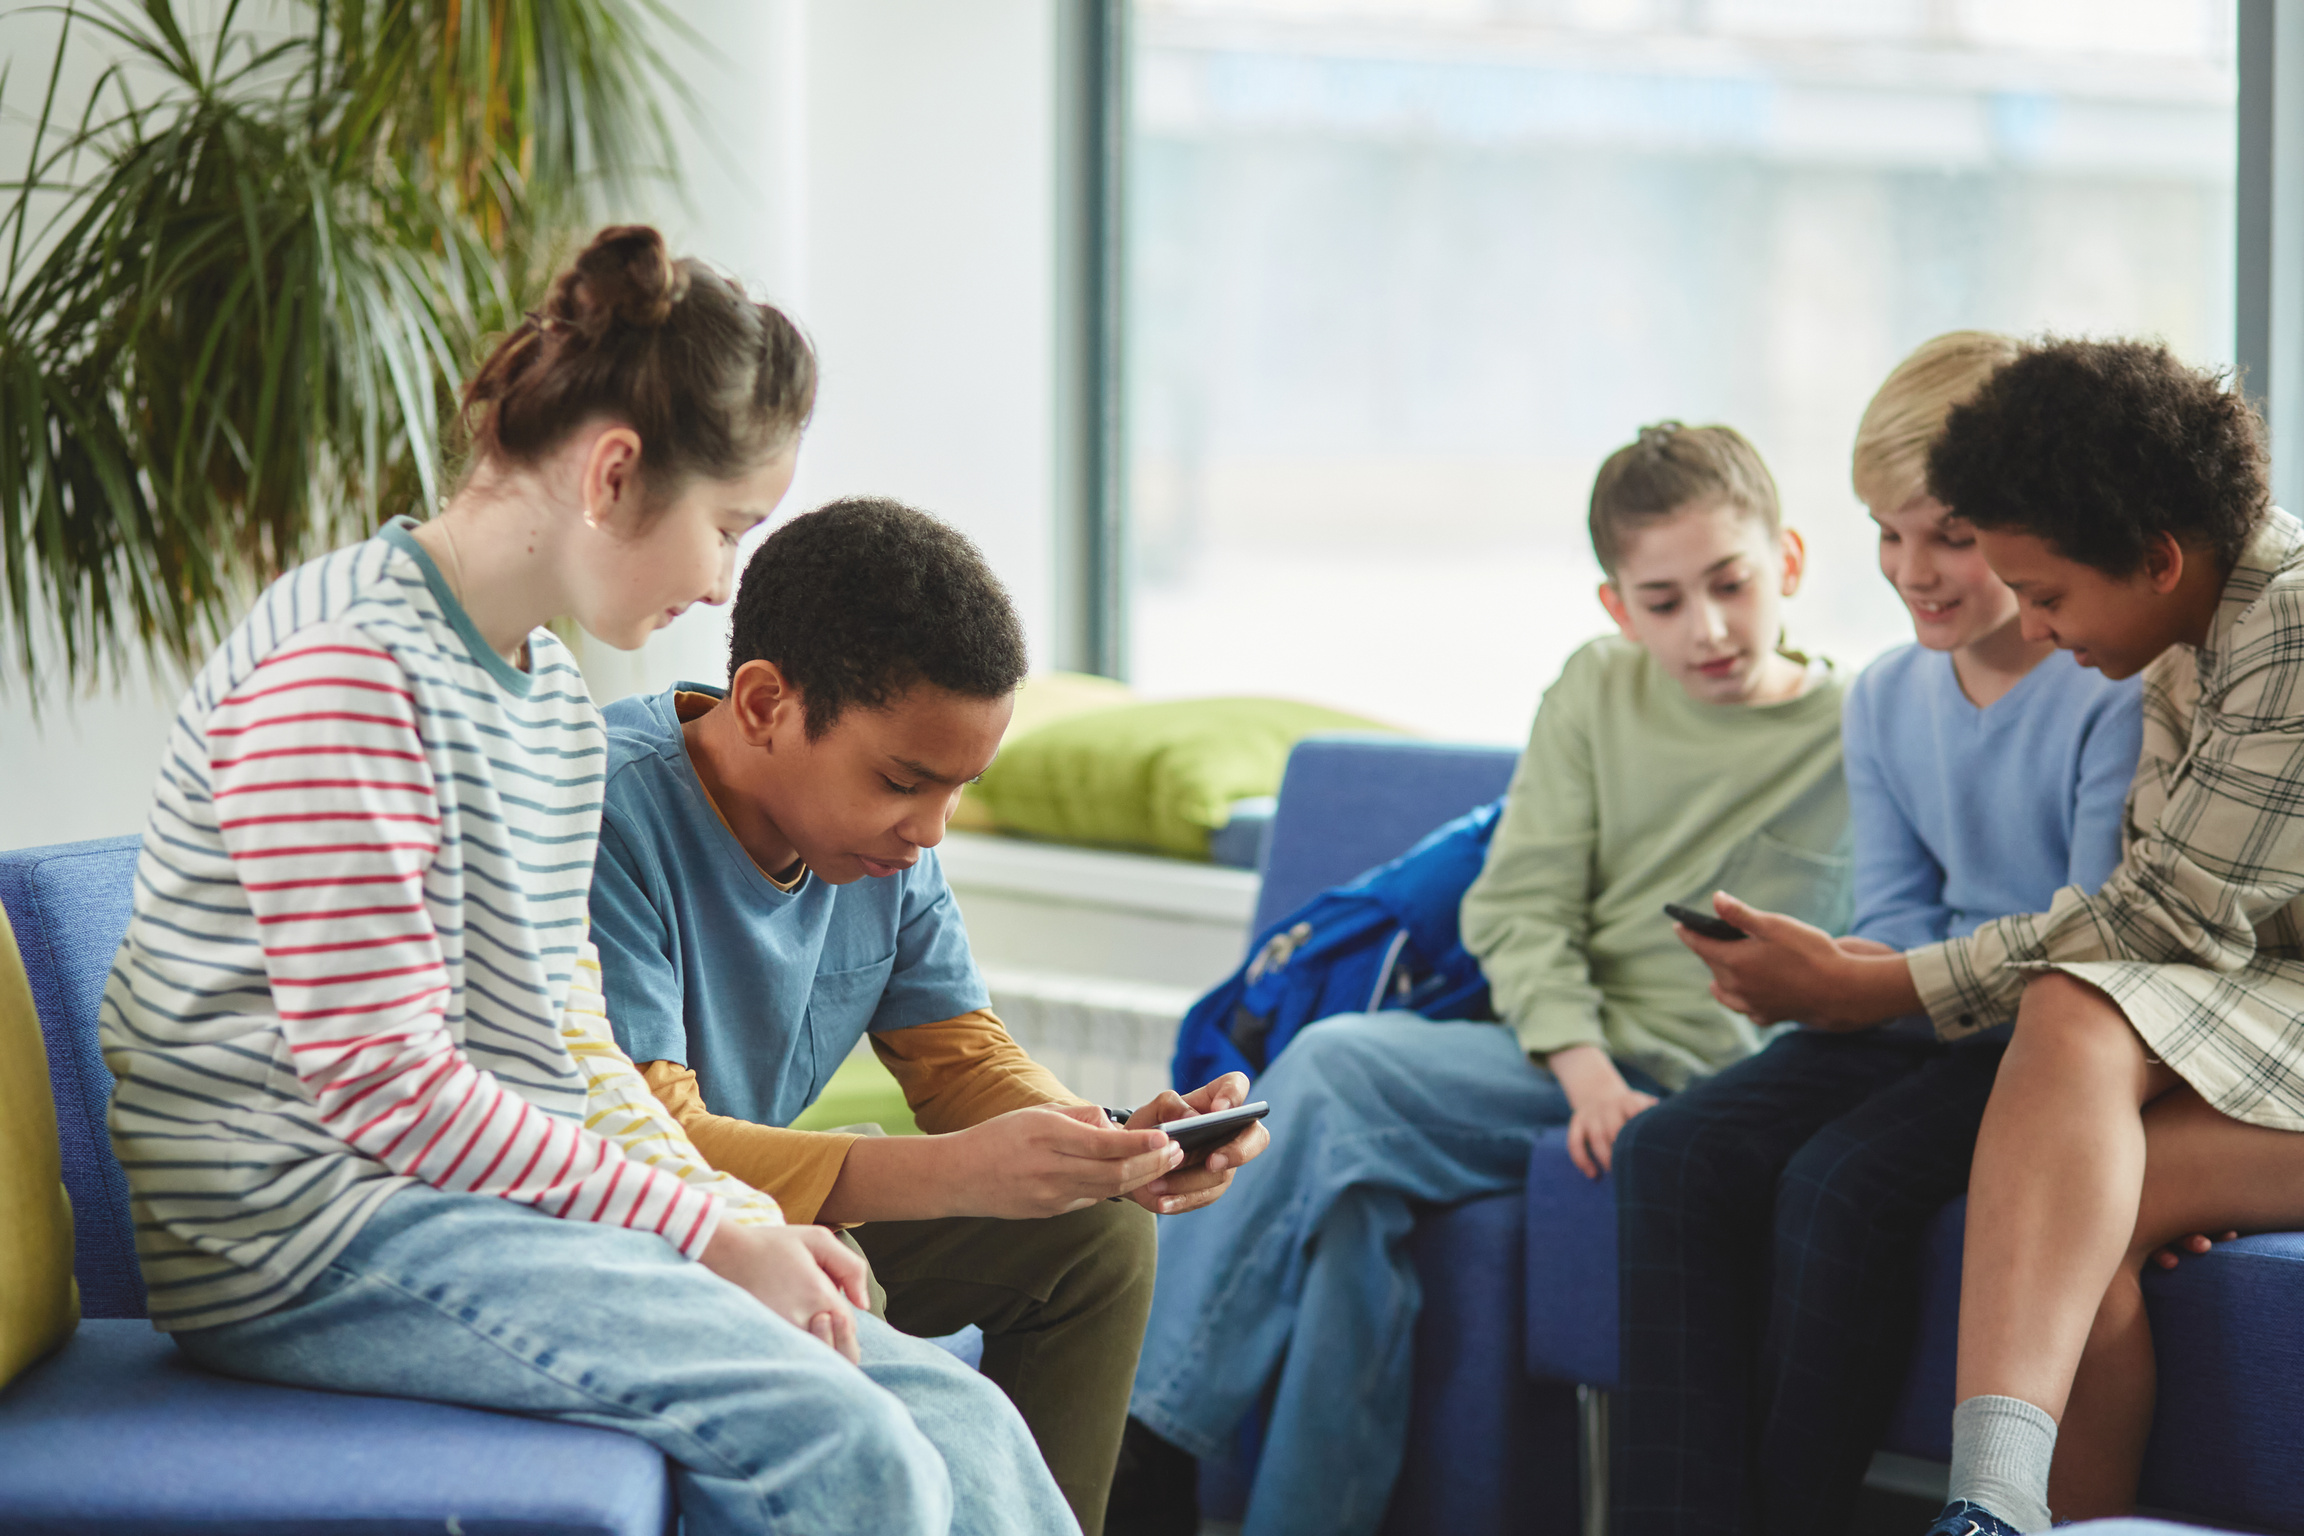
[1705, 923]
[1202, 1134]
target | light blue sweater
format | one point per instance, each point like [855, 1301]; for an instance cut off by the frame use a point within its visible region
[1963, 814]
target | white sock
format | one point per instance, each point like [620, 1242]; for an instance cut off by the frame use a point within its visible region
[2001, 1448]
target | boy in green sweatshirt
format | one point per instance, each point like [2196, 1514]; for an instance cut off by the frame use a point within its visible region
[1688, 754]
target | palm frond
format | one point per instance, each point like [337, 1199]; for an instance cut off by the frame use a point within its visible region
[235, 339]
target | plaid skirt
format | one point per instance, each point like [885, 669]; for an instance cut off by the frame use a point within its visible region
[2237, 1037]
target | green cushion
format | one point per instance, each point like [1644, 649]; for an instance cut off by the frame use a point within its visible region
[1152, 776]
[1044, 699]
[39, 1304]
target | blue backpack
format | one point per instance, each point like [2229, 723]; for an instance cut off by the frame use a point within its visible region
[1387, 940]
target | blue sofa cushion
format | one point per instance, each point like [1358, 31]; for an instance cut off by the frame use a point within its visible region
[118, 1433]
[1572, 1301]
[2228, 1436]
[1490, 1452]
[69, 905]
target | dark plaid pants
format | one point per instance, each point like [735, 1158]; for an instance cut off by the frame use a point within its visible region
[1770, 1221]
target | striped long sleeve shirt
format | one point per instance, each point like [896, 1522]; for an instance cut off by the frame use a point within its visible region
[359, 911]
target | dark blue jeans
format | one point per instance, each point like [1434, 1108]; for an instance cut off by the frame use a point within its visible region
[1769, 1228]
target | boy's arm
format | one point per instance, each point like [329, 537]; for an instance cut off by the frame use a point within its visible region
[796, 1169]
[1527, 918]
[1043, 1160]
[2225, 852]
[962, 1071]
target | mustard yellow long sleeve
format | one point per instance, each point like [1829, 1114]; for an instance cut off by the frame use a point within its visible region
[960, 1072]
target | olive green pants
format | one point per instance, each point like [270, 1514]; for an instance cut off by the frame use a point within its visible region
[1062, 1303]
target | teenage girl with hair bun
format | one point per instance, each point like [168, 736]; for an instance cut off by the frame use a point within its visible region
[363, 1153]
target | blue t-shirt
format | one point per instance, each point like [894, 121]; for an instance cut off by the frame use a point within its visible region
[1962, 814]
[759, 991]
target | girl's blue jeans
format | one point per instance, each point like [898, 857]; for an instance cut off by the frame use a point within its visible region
[1302, 1268]
[475, 1300]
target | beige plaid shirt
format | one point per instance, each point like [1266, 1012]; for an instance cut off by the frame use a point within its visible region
[2199, 934]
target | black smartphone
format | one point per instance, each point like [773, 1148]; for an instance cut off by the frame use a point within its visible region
[1703, 922]
[1198, 1134]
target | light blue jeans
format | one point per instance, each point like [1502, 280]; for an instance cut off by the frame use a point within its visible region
[475, 1300]
[1303, 1266]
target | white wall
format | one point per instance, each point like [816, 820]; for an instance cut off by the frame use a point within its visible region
[887, 174]
[885, 171]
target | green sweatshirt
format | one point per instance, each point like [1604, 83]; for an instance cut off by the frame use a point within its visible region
[1632, 794]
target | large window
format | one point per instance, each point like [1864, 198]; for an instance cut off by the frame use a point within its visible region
[1402, 272]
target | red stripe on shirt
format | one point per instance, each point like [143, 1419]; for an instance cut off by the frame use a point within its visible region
[350, 1011]
[328, 784]
[372, 654]
[362, 814]
[236, 700]
[215, 763]
[329, 949]
[342, 978]
[398, 721]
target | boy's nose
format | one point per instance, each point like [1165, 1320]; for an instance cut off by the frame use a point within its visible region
[924, 828]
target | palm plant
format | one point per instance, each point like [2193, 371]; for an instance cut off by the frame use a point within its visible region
[242, 280]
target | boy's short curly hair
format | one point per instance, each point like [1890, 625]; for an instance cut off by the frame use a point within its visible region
[864, 598]
[2098, 447]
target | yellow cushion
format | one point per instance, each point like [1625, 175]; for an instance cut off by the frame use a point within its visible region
[39, 1304]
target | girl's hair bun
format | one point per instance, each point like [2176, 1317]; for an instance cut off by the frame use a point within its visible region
[626, 276]
[715, 382]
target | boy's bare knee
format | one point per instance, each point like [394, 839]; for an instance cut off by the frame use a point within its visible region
[2062, 996]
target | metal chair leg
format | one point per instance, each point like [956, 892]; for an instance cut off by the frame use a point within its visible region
[1592, 1468]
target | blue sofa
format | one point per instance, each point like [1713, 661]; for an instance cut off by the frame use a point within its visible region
[1521, 1298]
[117, 1433]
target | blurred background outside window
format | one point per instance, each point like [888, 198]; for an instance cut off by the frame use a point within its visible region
[1402, 272]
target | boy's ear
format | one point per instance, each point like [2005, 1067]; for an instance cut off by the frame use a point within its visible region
[2164, 563]
[1795, 559]
[1613, 601]
[765, 702]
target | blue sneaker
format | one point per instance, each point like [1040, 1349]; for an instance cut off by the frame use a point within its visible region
[1961, 1518]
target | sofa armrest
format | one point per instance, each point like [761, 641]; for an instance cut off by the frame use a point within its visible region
[1572, 1303]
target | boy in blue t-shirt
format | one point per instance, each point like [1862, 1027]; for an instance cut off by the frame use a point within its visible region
[1771, 1217]
[767, 893]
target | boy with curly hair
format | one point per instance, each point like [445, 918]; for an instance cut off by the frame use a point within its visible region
[767, 893]
[1771, 1217]
[2154, 1085]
